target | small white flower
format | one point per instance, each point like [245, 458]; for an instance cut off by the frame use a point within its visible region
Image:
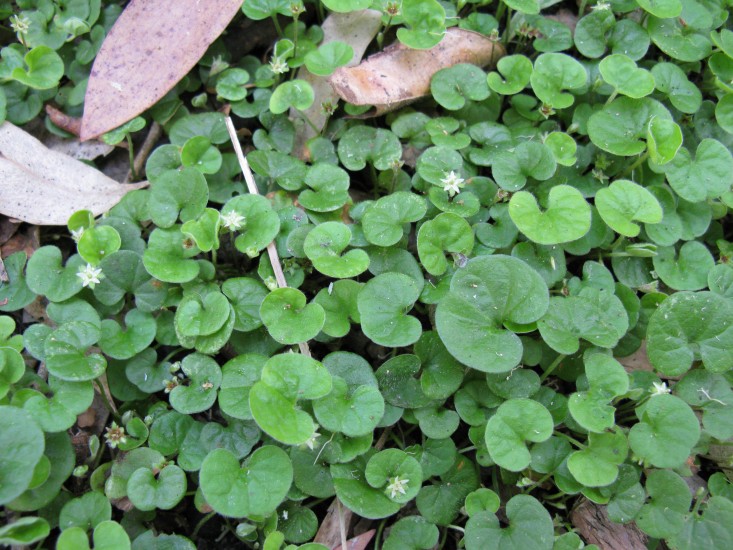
[76, 234]
[90, 275]
[285, 515]
[601, 6]
[397, 486]
[660, 388]
[311, 442]
[278, 66]
[20, 24]
[232, 220]
[452, 183]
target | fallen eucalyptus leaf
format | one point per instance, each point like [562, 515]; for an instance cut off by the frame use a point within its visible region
[398, 75]
[165, 33]
[43, 187]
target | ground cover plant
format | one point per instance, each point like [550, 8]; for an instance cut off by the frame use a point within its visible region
[473, 321]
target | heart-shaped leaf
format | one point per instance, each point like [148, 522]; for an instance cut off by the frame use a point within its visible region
[515, 70]
[515, 422]
[445, 233]
[297, 94]
[453, 86]
[567, 217]
[353, 413]
[340, 304]
[686, 270]
[624, 202]
[607, 379]
[691, 326]
[66, 352]
[626, 78]
[553, 74]
[253, 217]
[663, 140]
[285, 379]
[597, 464]
[287, 317]
[148, 491]
[204, 377]
[22, 447]
[108, 534]
[529, 159]
[669, 501]
[530, 526]
[254, 489]
[46, 275]
[204, 230]
[324, 245]
[167, 257]
[200, 316]
[383, 220]
[124, 344]
[708, 176]
[98, 242]
[328, 188]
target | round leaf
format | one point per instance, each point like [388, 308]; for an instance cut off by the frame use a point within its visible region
[567, 217]
[383, 303]
[287, 317]
[515, 422]
[324, 245]
[624, 202]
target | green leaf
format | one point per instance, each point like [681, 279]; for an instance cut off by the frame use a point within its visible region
[524, 6]
[254, 489]
[98, 242]
[57, 412]
[398, 384]
[530, 526]
[691, 327]
[553, 74]
[356, 494]
[663, 140]
[424, 24]
[21, 447]
[684, 270]
[453, 86]
[328, 188]
[708, 176]
[626, 78]
[672, 81]
[45, 69]
[440, 502]
[383, 305]
[666, 433]
[340, 304]
[567, 217]
[529, 159]
[669, 501]
[516, 421]
[124, 344]
[297, 94]
[680, 41]
[515, 70]
[167, 257]
[597, 464]
[484, 295]
[14, 293]
[412, 533]
[712, 530]
[287, 317]
[204, 377]
[384, 220]
[245, 295]
[46, 275]
[328, 57]
[621, 126]
[285, 379]
[563, 148]
[66, 352]
[201, 316]
[607, 379]
[353, 413]
[324, 245]
[181, 193]
[87, 511]
[624, 202]
[253, 217]
[345, 6]
[238, 376]
[362, 144]
[444, 233]
[661, 8]
[262, 9]
[27, 530]
[396, 473]
[204, 230]
[107, 535]
[148, 491]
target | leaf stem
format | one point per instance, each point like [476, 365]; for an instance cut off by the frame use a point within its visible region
[131, 155]
[201, 523]
[572, 440]
[278, 28]
[106, 402]
[630, 170]
[552, 367]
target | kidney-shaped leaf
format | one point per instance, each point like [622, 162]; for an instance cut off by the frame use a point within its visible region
[255, 488]
[515, 422]
[383, 303]
[530, 526]
[487, 292]
[624, 202]
[567, 217]
[691, 326]
[288, 318]
[323, 246]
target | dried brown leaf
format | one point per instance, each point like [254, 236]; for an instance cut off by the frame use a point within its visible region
[399, 75]
[152, 46]
[592, 522]
[359, 542]
[44, 187]
[62, 120]
[329, 533]
[357, 29]
[637, 360]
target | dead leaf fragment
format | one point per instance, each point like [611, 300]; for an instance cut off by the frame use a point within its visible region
[43, 187]
[152, 45]
[399, 75]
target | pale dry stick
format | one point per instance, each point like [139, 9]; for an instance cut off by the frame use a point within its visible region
[342, 526]
[252, 187]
